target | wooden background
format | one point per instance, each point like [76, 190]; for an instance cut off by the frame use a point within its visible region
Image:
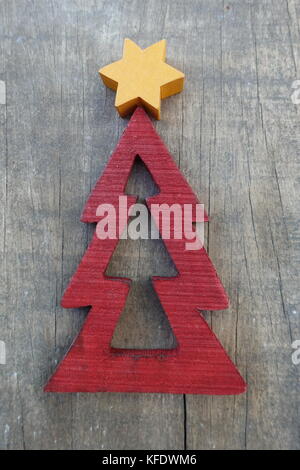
[234, 132]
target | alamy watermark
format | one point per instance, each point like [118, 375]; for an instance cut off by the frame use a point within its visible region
[296, 353]
[2, 353]
[295, 96]
[170, 222]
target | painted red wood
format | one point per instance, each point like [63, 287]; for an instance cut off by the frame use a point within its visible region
[199, 364]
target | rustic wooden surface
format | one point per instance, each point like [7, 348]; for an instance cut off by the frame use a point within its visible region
[238, 146]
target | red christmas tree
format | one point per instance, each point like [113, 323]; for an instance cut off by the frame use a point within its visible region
[199, 363]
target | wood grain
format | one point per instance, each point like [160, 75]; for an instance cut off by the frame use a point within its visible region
[234, 132]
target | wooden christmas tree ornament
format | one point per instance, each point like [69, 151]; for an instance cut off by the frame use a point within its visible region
[199, 363]
[142, 77]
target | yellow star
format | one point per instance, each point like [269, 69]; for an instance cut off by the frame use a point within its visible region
[142, 77]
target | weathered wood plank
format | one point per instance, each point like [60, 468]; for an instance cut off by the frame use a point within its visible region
[238, 146]
[61, 129]
[246, 111]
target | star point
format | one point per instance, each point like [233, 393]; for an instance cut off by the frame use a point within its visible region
[142, 77]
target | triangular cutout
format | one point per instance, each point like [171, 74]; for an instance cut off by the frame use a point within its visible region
[140, 182]
[143, 323]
